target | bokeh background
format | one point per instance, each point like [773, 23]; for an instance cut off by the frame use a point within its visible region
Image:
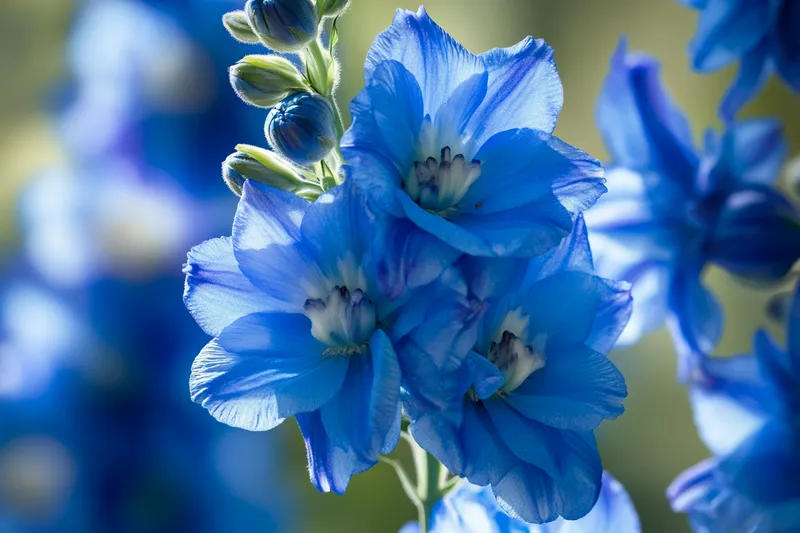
[114, 118]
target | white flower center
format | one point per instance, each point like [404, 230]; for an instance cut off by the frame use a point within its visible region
[342, 320]
[516, 359]
[438, 185]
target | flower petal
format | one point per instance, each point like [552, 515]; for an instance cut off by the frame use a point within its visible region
[751, 152]
[754, 70]
[216, 292]
[487, 458]
[262, 369]
[524, 90]
[787, 55]
[436, 60]
[329, 466]
[576, 390]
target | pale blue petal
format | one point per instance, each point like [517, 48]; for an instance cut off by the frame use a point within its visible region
[752, 152]
[436, 60]
[577, 390]
[262, 369]
[726, 31]
[524, 90]
[330, 468]
[216, 292]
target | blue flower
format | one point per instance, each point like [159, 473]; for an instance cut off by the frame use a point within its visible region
[460, 145]
[760, 34]
[472, 509]
[747, 410]
[671, 211]
[534, 382]
[301, 128]
[301, 328]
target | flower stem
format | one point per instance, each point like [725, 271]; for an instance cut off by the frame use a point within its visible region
[319, 72]
[429, 490]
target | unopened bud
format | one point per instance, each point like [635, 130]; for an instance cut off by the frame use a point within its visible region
[264, 81]
[301, 128]
[283, 25]
[238, 26]
[261, 165]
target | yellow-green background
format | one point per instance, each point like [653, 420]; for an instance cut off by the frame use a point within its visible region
[655, 439]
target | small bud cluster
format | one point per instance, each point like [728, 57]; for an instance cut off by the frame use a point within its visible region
[296, 83]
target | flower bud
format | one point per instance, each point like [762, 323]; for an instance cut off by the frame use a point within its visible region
[301, 128]
[263, 81]
[261, 165]
[238, 26]
[283, 25]
[331, 8]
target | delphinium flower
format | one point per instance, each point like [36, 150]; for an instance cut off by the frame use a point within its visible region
[301, 328]
[534, 384]
[472, 509]
[671, 211]
[760, 34]
[747, 410]
[458, 148]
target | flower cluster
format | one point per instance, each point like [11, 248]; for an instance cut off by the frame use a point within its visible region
[427, 268]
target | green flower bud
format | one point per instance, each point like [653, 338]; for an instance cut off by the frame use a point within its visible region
[331, 8]
[264, 81]
[263, 166]
[238, 25]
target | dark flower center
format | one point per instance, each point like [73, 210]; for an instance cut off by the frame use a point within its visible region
[438, 185]
[343, 320]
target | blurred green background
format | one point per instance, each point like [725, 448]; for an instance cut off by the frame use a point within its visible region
[655, 439]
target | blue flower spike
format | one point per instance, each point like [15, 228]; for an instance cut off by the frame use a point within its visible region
[747, 410]
[461, 145]
[283, 25]
[671, 209]
[472, 509]
[761, 35]
[534, 385]
[301, 128]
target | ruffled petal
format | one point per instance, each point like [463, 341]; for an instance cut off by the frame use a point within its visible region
[640, 125]
[576, 390]
[262, 369]
[436, 60]
[524, 90]
[266, 235]
[216, 292]
[522, 166]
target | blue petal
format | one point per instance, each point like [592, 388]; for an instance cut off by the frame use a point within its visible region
[754, 70]
[787, 54]
[485, 377]
[614, 511]
[439, 438]
[522, 166]
[640, 125]
[757, 235]
[793, 331]
[487, 458]
[216, 292]
[491, 278]
[573, 253]
[524, 231]
[387, 116]
[526, 492]
[576, 390]
[450, 121]
[262, 369]
[329, 467]
[729, 401]
[751, 152]
[338, 227]
[436, 60]
[780, 374]
[266, 235]
[407, 257]
[727, 31]
[359, 418]
[524, 90]
[374, 174]
[411, 527]
[696, 318]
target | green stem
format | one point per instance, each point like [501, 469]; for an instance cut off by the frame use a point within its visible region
[429, 490]
[322, 85]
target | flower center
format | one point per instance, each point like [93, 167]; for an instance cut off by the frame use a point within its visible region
[342, 320]
[438, 185]
[515, 359]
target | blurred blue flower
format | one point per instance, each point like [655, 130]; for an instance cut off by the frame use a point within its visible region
[671, 211]
[747, 410]
[460, 145]
[760, 34]
[472, 509]
[534, 384]
[301, 328]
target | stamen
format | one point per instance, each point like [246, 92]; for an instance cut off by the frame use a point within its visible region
[343, 320]
[438, 186]
[516, 360]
